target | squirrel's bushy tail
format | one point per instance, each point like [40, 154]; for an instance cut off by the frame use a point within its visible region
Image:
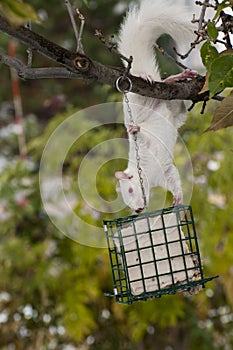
[144, 24]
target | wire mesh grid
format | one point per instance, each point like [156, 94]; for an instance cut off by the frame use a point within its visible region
[153, 254]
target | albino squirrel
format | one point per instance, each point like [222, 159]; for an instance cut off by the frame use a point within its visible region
[157, 121]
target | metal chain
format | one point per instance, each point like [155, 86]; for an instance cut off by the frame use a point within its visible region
[132, 121]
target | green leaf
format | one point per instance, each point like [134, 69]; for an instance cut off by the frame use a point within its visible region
[221, 74]
[222, 6]
[18, 12]
[208, 54]
[212, 31]
[223, 115]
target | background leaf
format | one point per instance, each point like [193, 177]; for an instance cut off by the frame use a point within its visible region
[18, 12]
[221, 74]
[223, 115]
[212, 31]
[208, 54]
[206, 85]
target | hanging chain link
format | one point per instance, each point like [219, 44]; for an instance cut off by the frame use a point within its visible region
[135, 138]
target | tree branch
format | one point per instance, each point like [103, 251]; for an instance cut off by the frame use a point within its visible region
[79, 66]
[28, 73]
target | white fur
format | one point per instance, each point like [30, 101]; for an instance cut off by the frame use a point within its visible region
[158, 120]
[145, 24]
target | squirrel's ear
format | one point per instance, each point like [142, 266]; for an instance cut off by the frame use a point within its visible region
[120, 175]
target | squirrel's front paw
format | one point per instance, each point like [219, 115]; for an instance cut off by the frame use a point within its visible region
[133, 129]
[177, 200]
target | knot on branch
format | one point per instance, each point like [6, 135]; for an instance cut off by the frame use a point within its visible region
[82, 63]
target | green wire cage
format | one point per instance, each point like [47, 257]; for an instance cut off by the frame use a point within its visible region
[153, 254]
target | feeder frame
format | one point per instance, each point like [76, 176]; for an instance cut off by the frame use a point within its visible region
[139, 269]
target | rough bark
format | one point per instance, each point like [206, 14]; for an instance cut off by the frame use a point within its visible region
[75, 65]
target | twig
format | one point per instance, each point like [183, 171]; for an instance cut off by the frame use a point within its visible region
[199, 40]
[17, 105]
[218, 98]
[71, 14]
[111, 46]
[201, 32]
[221, 42]
[77, 33]
[192, 106]
[82, 20]
[193, 46]
[203, 107]
[164, 53]
[204, 5]
[205, 100]
[227, 21]
[29, 50]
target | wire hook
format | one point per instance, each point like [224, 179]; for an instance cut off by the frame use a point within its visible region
[120, 80]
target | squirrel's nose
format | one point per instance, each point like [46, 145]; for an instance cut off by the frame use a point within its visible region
[139, 210]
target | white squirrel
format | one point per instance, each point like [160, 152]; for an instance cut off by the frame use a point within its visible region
[156, 121]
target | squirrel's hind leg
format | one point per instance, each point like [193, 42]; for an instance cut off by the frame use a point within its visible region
[185, 75]
[173, 184]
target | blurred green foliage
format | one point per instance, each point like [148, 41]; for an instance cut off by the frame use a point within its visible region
[17, 12]
[56, 26]
[51, 287]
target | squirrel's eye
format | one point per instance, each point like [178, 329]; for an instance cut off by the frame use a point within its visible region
[130, 190]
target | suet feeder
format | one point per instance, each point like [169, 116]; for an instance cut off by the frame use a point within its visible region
[153, 254]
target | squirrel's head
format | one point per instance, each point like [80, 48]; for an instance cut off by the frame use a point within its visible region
[131, 190]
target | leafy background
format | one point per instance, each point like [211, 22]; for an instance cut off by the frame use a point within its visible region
[52, 288]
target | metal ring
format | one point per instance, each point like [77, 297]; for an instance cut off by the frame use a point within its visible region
[124, 77]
